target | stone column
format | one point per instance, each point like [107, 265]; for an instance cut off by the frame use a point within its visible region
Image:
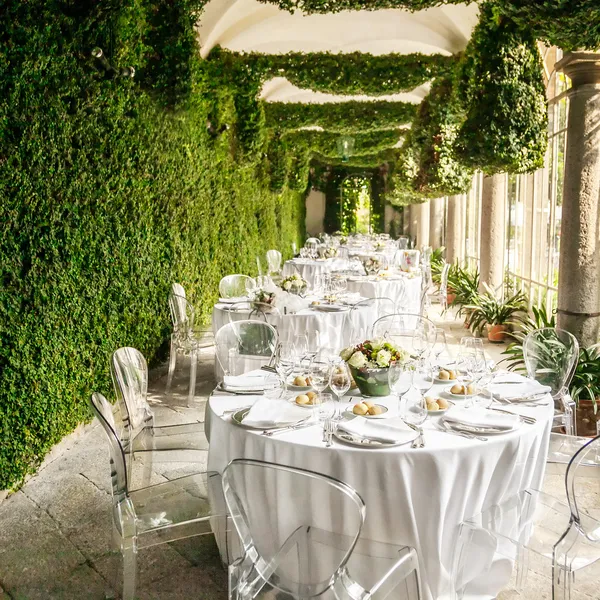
[422, 223]
[436, 222]
[454, 229]
[579, 270]
[492, 232]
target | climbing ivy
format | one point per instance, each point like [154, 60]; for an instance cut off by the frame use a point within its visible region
[353, 72]
[428, 161]
[506, 124]
[334, 6]
[341, 117]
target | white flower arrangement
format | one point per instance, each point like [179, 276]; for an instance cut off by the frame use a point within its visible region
[372, 264]
[294, 284]
[375, 354]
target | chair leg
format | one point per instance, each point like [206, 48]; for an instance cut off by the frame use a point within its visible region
[193, 365]
[129, 552]
[172, 360]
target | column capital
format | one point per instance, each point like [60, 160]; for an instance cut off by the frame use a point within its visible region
[581, 66]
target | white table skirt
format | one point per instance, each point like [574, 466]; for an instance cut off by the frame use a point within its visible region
[370, 287]
[308, 269]
[324, 329]
[415, 497]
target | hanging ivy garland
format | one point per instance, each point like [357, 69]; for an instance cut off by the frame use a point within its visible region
[353, 72]
[428, 159]
[340, 117]
[506, 125]
[334, 6]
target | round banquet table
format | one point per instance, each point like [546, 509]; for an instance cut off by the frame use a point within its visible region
[309, 269]
[393, 288]
[323, 329]
[414, 497]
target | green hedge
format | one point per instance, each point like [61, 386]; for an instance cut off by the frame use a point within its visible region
[340, 117]
[107, 198]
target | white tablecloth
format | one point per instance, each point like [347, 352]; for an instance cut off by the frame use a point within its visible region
[371, 287]
[416, 497]
[324, 329]
[308, 269]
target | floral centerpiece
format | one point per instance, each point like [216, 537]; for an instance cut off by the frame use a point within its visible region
[294, 284]
[263, 296]
[328, 252]
[372, 264]
[379, 246]
[369, 363]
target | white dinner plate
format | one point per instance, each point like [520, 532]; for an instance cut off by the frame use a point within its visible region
[349, 412]
[241, 392]
[362, 442]
[238, 419]
[444, 381]
[439, 413]
[299, 388]
[329, 307]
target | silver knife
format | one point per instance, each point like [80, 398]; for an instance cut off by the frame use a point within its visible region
[271, 432]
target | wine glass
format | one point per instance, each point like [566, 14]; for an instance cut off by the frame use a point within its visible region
[415, 410]
[400, 378]
[319, 374]
[441, 346]
[340, 379]
[285, 360]
[251, 286]
[422, 376]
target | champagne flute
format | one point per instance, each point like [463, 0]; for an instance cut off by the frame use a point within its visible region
[319, 374]
[340, 379]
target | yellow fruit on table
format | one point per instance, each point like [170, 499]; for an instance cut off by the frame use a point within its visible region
[433, 406]
[302, 399]
[360, 409]
[444, 375]
[457, 389]
[452, 375]
[299, 381]
[375, 410]
[442, 403]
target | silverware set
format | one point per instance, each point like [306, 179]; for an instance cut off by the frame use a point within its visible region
[525, 419]
[272, 432]
[328, 429]
[444, 427]
[419, 441]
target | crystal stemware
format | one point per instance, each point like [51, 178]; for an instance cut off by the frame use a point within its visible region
[415, 410]
[340, 379]
[422, 376]
[319, 374]
[285, 360]
[400, 378]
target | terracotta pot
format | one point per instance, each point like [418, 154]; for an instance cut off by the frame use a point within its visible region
[496, 333]
[585, 418]
[450, 297]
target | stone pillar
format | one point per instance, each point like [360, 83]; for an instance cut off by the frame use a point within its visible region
[492, 232]
[579, 270]
[436, 222]
[422, 223]
[454, 229]
[315, 213]
[413, 219]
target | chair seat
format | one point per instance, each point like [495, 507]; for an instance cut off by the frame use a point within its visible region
[537, 521]
[166, 508]
[189, 436]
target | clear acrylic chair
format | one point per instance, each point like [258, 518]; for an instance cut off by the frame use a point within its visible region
[244, 346]
[551, 356]
[443, 292]
[413, 333]
[361, 328]
[187, 338]
[274, 262]
[255, 311]
[235, 286]
[156, 514]
[532, 527]
[300, 549]
[140, 435]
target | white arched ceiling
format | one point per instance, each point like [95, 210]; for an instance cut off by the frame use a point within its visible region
[279, 89]
[251, 26]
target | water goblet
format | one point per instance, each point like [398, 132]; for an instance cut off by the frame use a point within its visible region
[325, 407]
[319, 374]
[400, 378]
[340, 379]
[415, 411]
[301, 346]
[422, 376]
[285, 360]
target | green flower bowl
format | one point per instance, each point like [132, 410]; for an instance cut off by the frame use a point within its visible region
[371, 382]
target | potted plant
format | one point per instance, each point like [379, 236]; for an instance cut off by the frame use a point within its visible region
[369, 362]
[496, 315]
[463, 288]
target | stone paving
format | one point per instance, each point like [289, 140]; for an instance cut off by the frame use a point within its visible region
[55, 531]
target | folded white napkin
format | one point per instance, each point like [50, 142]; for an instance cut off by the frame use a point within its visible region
[378, 430]
[481, 417]
[253, 381]
[267, 412]
[515, 386]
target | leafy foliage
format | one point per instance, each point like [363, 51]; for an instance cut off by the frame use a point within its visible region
[464, 283]
[332, 6]
[353, 72]
[428, 161]
[487, 309]
[340, 117]
[506, 123]
[107, 198]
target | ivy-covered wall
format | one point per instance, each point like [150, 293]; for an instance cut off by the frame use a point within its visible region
[111, 189]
